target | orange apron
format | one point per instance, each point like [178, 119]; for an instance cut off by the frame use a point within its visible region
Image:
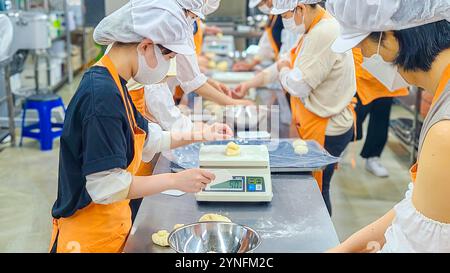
[138, 98]
[368, 87]
[442, 84]
[101, 228]
[269, 31]
[309, 125]
[198, 38]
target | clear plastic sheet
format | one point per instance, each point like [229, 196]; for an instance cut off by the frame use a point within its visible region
[282, 155]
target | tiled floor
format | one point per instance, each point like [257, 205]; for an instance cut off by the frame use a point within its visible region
[28, 180]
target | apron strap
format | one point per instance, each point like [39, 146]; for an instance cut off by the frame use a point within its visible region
[296, 50]
[115, 75]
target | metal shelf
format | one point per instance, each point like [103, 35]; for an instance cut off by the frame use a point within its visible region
[411, 104]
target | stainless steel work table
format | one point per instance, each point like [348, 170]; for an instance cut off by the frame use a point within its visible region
[295, 221]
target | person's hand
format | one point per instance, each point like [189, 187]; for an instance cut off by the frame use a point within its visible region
[244, 102]
[282, 64]
[221, 87]
[193, 180]
[213, 132]
[242, 66]
[213, 30]
[241, 90]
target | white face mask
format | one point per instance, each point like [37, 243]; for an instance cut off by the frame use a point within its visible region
[291, 25]
[264, 9]
[191, 20]
[385, 72]
[147, 75]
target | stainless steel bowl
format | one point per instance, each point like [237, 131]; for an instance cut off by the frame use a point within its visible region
[214, 237]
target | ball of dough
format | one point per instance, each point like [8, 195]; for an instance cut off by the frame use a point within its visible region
[233, 146]
[222, 66]
[214, 218]
[177, 226]
[231, 152]
[232, 149]
[161, 238]
[301, 150]
[299, 142]
[212, 64]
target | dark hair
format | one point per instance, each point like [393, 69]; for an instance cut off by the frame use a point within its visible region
[419, 46]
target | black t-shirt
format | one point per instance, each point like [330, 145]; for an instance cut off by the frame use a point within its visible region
[276, 31]
[96, 137]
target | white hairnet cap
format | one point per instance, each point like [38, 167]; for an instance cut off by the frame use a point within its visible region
[210, 7]
[253, 3]
[161, 21]
[6, 37]
[282, 6]
[194, 6]
[360, 18]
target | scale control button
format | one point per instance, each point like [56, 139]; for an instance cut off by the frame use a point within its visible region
[259, 187]
[251, 187]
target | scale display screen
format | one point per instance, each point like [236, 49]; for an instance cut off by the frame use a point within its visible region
[237, 184]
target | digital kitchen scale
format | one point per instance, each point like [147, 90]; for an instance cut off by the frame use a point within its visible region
[242, 178]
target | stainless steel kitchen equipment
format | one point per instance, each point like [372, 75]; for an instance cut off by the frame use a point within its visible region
[214, 237]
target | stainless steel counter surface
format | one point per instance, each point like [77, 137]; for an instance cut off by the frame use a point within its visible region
[295, 221]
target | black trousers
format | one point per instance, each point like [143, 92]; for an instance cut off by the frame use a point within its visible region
[377, 132]
[335, 145]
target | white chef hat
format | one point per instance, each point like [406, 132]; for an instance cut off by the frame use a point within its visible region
[282, 6]
[194, 6]
[6, 37]
[210, 7]
[253, 3]
[360, 18]
[161, 21]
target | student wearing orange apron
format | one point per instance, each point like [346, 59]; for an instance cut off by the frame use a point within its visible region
[270, 42]
[105, 138]
[189, 76]
[403, 48]
[321, 82]
[376, 100]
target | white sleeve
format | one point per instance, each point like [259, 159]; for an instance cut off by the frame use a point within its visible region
[109, 186]
[292, 81]
[160, 104]
[157, 141]
[270, 74]
[188, 73]
[265, 51]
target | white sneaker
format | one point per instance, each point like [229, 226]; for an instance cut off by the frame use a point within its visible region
[374, 166]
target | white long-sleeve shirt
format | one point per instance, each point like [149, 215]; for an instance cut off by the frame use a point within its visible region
[160, 104]
[189, 76]
[265, 51]
[292, 81]
[113, 185]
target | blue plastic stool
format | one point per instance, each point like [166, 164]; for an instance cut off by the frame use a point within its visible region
[42, 130]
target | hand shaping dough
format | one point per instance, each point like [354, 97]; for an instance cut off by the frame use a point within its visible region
[214, 218]
[161, 238]
[233, 149]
